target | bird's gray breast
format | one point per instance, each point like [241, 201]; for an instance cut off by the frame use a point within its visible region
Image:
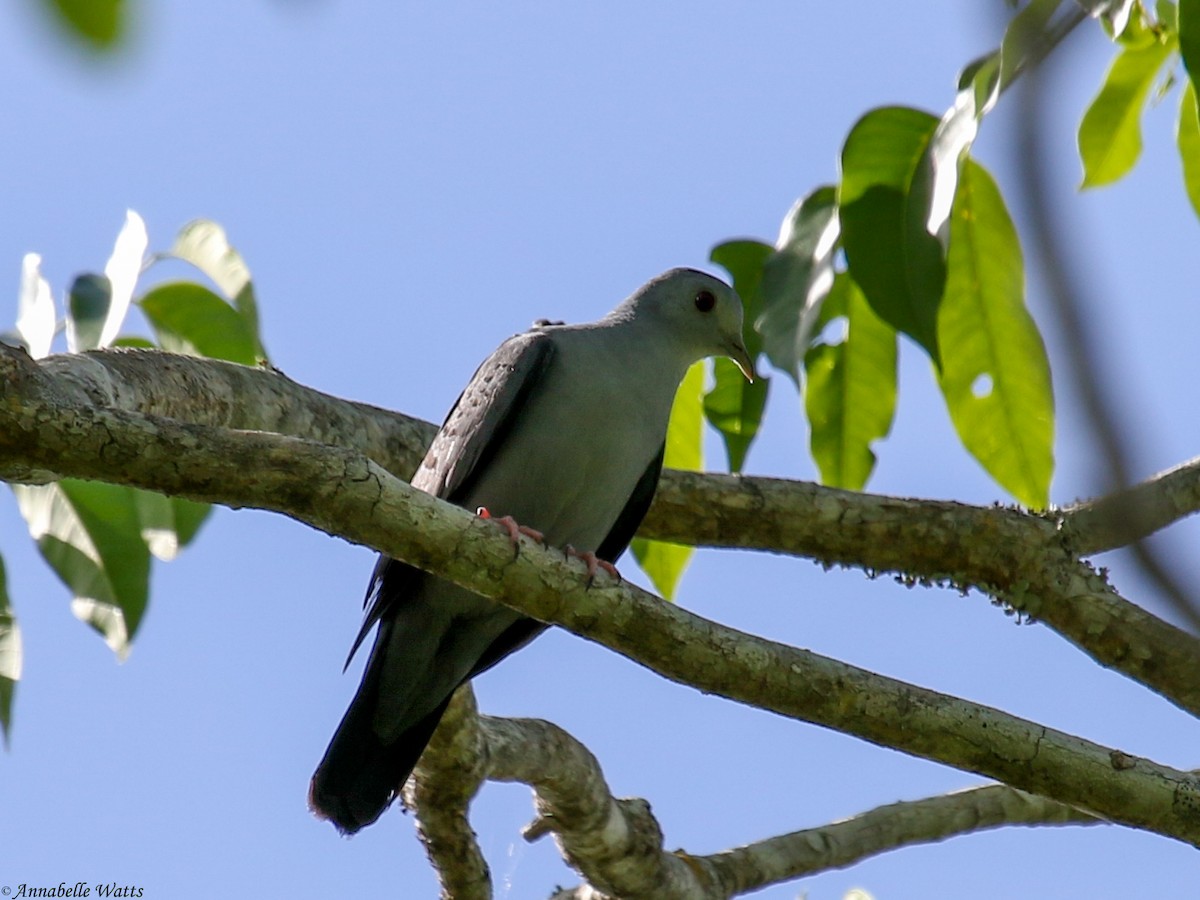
[579, 443]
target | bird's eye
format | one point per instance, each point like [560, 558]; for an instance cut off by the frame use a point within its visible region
[705, 301]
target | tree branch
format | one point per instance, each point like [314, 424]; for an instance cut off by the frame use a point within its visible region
[1027, 562]
[1120, 519]
[342, 492]
[617, 845]
[842, 844]
[884, 828]
[447, 776]
[1021, 559]
[218, 393]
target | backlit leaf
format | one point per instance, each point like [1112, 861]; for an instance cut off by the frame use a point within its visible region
[1110, 134]
[664, 562]
[189, 318]
[90, 534]
[204, 244]
[167, 524]
[734, 407]
[1187, 137]
[978, 90]
[35, 308]
[850, 388]
[995, 375]
[122, 271]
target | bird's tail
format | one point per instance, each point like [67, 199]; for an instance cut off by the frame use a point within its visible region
[360, 774]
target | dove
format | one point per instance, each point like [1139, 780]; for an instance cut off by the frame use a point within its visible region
[560, 435]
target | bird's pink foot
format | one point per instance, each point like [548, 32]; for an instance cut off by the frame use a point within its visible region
[593, 563]
[509, 524]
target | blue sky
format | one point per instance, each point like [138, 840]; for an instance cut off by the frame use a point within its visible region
[409, 186]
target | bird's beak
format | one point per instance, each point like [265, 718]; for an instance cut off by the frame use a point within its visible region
[741, 356]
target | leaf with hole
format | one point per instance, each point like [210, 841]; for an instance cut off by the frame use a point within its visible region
[995, 375]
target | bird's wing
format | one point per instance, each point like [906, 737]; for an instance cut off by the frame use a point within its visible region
[634, 511]
[484, 414]
[475, 427]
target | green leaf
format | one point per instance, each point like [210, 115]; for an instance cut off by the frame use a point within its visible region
[189, 516]
[884, 201]
[734, 407]
[1024, 36]
[132, 340]
[1187, 137]
[1167, 13]
[995, 375]
[10, 657]
[167, 524]
[1189, 38]
[978, 90]
[204, 244]
[744, 262]
[90, 534]
[850, 388]
[796, 278]
[189, 318]
[1110, 134]
[664, 562]
[88, 301]
[35, 308]
[122, 271]
[99, 22]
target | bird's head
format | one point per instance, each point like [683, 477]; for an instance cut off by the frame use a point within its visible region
[703, 314]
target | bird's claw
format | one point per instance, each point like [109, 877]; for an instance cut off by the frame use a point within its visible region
[515, 530]
[593, 563]
[509, 524]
